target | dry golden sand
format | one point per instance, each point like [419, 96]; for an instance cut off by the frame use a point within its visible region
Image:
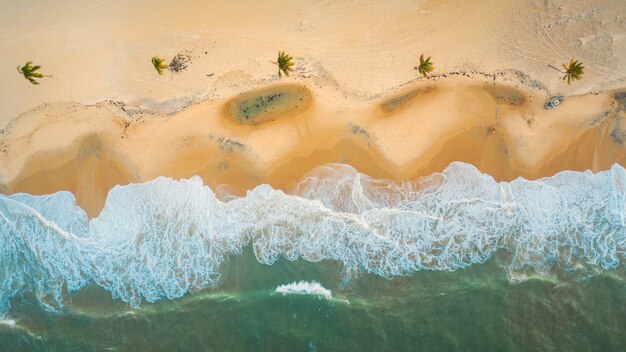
[498, 126]
[98, 50]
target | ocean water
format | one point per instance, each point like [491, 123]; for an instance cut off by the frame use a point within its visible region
[453, 261]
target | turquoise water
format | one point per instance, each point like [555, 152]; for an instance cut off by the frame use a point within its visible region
[455, 261]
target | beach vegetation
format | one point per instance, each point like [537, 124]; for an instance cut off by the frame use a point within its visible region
[30, 72]
[284, 63]
[179, 62]
[574, 71]
[158, 64]
[425, 67]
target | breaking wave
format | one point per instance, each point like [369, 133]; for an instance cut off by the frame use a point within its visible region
[163, 238]
[304, 288]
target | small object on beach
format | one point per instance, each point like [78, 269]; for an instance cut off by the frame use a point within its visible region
[158, 64]
[553, 102]
[28, 71]
[284, 63]
[574, 71]
[425, 66]
[180, 62]
[491, 129]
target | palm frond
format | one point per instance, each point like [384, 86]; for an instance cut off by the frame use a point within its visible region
[425, 67]
[284, 63]
[158, 64]
[574, 71]
[29, 72]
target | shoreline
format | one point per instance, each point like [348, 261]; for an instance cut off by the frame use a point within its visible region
[415, 130]
[313, 175]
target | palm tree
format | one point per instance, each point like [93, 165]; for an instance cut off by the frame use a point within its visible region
[284, 63]
[574, 71]
[29, 72]
[425, 66]
[158, 64]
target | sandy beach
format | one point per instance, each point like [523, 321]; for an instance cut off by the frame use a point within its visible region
[500, 128]
[106, 118]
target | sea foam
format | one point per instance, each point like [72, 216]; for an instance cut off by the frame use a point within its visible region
[304, 288]
[163, 238]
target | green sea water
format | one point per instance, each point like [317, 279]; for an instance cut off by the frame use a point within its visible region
[477, 309]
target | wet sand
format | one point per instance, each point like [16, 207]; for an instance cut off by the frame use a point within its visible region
[501, 127]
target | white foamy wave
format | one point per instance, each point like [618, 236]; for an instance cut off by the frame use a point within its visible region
[163, 238]
[304, 288]
[8, 322]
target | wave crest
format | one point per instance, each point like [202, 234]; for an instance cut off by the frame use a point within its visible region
[304, 288]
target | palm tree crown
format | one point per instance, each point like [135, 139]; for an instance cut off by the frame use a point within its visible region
[29, 72]
[284, 63]
[425, 66]
[158, 64]
[574, 71]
